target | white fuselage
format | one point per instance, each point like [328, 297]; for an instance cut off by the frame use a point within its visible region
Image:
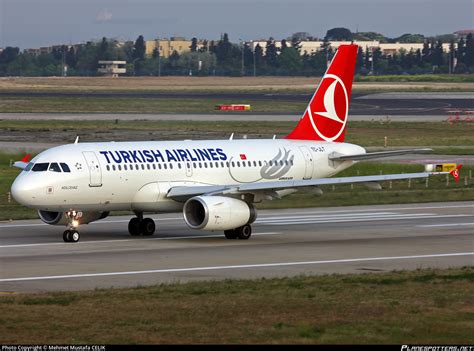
[137, 175]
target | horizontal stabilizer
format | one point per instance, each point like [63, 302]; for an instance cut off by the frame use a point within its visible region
[379, 154]
[23, 163]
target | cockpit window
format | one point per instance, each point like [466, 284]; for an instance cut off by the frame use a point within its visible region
[54, 167]
[65, 167]
[28, 167]
[40, 167]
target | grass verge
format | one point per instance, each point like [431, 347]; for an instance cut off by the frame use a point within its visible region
[438, 78]
[367, 134]
[262, 84]
[119, 104]
[417, 307]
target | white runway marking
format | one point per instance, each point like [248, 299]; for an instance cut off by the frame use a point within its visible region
[444, 225]
[127, 240]
[245, 266]
[343, 220]
[381, 207]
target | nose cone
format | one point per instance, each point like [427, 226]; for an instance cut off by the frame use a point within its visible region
[21, 191]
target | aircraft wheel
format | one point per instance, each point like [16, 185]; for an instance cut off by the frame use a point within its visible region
[147, 226]
[134, 227]
[230, 234]
[71, 236]
[244, 232]
[66, 236]
[74, 236]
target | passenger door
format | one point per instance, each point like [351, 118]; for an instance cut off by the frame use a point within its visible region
[95, 173]
[308, 172]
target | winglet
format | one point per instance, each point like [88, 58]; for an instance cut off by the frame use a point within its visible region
[456, 172]
[26, 159]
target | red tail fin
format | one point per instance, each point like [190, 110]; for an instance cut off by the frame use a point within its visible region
[326, 115]
[456, 173]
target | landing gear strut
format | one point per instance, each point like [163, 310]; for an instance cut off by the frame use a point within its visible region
[71, 235]
[242, 233]
[141, 226]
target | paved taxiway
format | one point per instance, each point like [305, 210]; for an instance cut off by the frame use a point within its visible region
[285, 243]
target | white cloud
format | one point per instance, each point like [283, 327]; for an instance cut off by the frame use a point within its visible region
[104, 16]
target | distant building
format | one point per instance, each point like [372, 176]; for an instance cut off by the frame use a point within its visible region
[311, 47]
[112, 68]
[464, 32]
[167, 46]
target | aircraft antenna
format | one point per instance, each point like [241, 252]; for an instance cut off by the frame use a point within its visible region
[77, 140]
[231, 136]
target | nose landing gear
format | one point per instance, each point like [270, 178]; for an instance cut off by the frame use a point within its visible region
[71, 235]
[141, 226]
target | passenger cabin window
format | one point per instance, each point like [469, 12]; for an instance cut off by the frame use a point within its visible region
[54, 167]
[65, 167]
[40, 167]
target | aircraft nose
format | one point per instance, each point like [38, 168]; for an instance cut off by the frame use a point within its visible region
[20, 191]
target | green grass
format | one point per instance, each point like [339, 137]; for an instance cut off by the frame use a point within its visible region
[367, 134]
[438, 78]
[418, 307]
[119, 104]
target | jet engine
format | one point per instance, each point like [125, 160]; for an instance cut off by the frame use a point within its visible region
[217, 213]
[59, 218]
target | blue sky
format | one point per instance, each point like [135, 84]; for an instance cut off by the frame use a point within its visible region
[34, 23]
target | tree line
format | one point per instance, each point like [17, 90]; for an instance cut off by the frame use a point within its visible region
[225, 58]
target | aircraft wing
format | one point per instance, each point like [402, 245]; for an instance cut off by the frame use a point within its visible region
[185, 192]
[379, 154]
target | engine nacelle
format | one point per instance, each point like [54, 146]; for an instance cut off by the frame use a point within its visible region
[59, 218]
[217, 213]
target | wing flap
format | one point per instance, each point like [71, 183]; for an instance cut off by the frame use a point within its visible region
[379, 154]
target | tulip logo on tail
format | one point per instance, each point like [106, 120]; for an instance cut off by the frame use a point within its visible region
[325, 117]
[329, 120]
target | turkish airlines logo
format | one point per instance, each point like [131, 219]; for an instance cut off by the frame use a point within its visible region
[329, 115]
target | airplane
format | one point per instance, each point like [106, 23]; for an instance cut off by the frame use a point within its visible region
[215, 183]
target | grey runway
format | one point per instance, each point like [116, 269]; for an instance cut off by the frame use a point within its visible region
[285, 243]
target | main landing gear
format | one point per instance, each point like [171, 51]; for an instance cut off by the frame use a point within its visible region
[242, 233]
[71, 235]
[141, 226]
